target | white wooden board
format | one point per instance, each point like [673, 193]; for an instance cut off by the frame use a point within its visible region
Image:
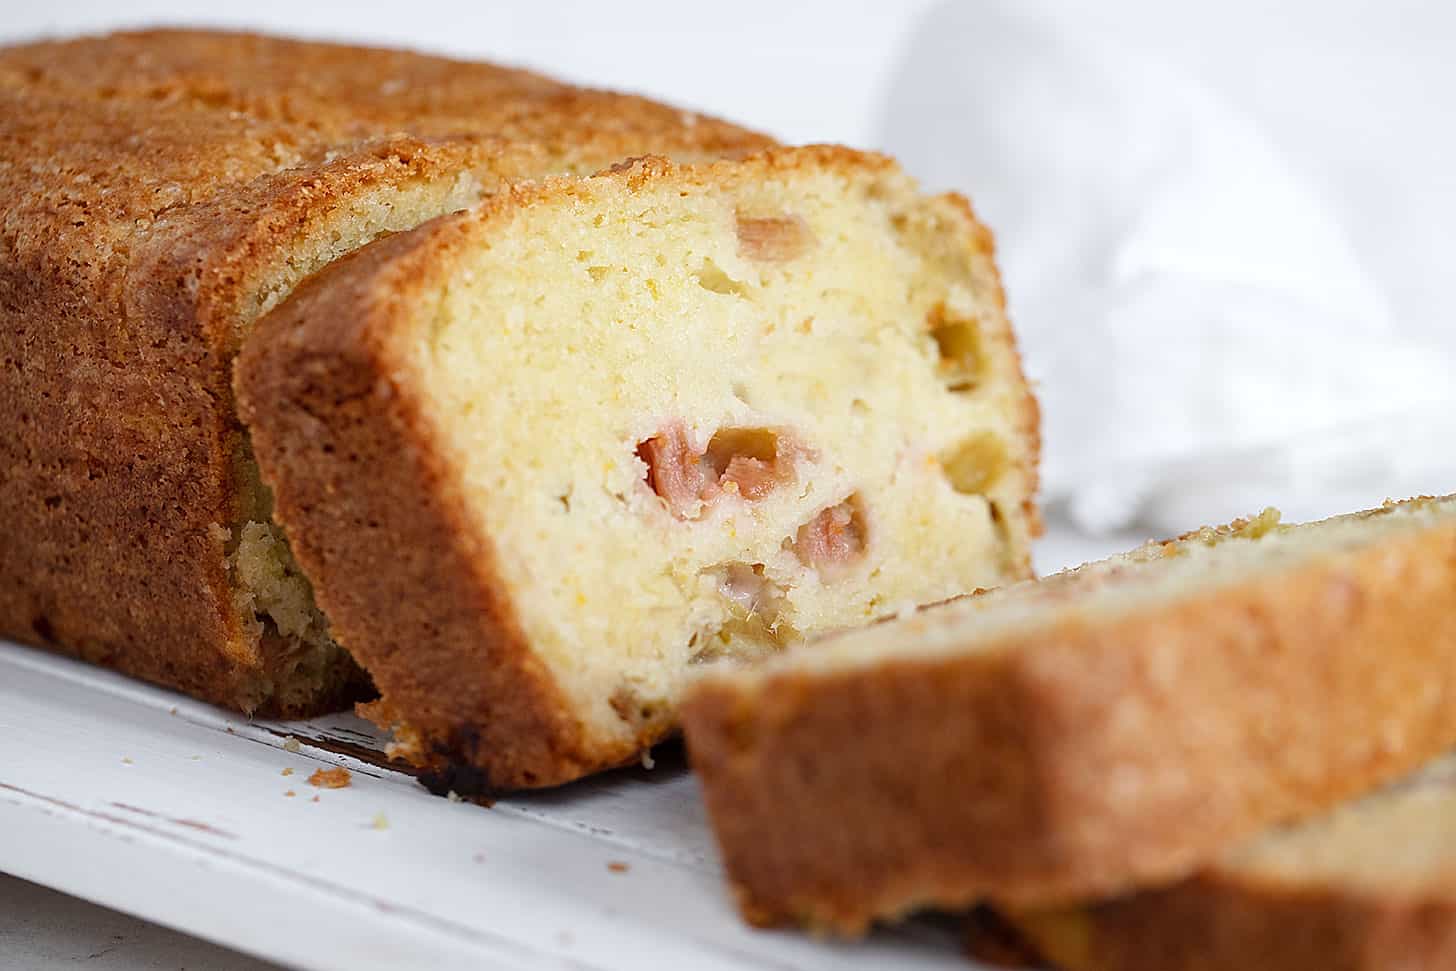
[177, 812]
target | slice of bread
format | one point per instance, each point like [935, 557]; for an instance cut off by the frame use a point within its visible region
[1110, 726]
[544, 460]
[1370, 886]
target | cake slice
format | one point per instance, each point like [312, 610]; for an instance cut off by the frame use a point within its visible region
[544, 460]
[1107, 727]
[1370, 886]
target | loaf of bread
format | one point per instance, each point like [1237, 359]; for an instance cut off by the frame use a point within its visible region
[1103, 729]
[1370, 886]
[545, 459]
[161, 190]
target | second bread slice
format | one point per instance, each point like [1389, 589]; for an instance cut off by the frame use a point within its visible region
[1104, 728]
[1369, 886]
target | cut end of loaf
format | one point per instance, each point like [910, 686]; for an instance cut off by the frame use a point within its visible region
[683, 417]
[702, 418]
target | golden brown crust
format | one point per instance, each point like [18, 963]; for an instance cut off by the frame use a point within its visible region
[154, 183]
[1087, 760]
[118, 404]
[336, 94]
[1218, 921]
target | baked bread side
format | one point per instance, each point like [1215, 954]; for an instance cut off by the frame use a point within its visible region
[545, 460]
[1095, 731]
[1371, 885]
[162, 190]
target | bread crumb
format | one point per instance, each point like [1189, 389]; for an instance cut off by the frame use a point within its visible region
[314, 799]
[381, 821]
[291, 744]
[617, 866]
[647, 761]
[288, 771]
[127, 761]
[289, 794]
[172, 710]
[335, 778]
[454, 796]
[478, 858]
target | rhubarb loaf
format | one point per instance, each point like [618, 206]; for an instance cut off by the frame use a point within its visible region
[161, 190]
[546, 459]
[1108, 727]
[1370, 886]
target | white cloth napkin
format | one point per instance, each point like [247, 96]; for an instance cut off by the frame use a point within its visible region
[1204, 336]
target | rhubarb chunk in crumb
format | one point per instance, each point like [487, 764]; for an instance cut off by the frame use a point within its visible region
[674, 470]
[833, 539]
[747, 462]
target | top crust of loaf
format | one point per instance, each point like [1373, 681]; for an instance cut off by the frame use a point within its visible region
[1083, 758]
[328, 388]
[336, 95]
[161, 190]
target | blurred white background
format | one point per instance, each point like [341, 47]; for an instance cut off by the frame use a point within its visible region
[1225, 227]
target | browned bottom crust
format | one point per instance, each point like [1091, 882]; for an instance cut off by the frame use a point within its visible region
[1086, 762]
